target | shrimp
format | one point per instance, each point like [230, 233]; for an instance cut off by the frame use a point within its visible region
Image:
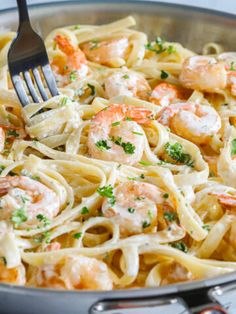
[10, 132]
[195, 122]
[23, 199]
[203, 73]
[113, 137]
[14, 275]
[135, 208]
[225, 199]
[164, 93]
[75, 272]
[126, 83]
[229, 59]
[108, 52]
[74, 66]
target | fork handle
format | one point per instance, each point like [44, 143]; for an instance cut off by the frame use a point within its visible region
[23, 11]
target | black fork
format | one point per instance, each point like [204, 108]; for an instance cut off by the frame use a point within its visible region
[27, 57]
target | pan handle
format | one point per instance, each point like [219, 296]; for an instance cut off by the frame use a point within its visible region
[205, 300]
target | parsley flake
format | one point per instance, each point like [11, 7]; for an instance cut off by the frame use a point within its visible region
[84, 210]
[131, 210]
[180, 246]
[145, 163]
[4, 260]
[115, 123]
[128, 147]
[77, 235]
[12, 133]
[63, 101]
[102, 145]
[164, 75]
[93, 90]
[233, 147]
[146, 224]
[170, 216]
[137, 133]
[107, 191]
[175, 151]
[18, 217]
[206, 227]
[232, 68]
[43, 219]
[73, 76]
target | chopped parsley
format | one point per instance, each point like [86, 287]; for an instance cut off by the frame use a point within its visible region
[175, 151]
[150, 215]
[102, 145]
[180, 246]
[2, 168]
[145, 163]
[139, 198]
[4, 260]
[84, 210]
[128, 147]
[146, 224]
[77, 235]
[73, 76]
[63, 101]
[165, 195]
[77, 26]
[93, 90]
[115, 123]
[137, 133]
[12, 133]
[142, 176]
[18, 217]
[126, 76]
[45, 236]
[164, 75]
[170, 216]
[156, 46]
[232, 68]
[131, 210]
[107, 191]
[43, 219]
[94, 44]
[206, 227]
[171, 49]
[128, 119]
[233, 147]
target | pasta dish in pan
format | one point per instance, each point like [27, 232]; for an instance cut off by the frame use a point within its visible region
[127, 178]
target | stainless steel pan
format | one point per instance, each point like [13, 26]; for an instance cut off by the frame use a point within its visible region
[193, 28]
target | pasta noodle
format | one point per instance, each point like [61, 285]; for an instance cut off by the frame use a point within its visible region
[126, 179]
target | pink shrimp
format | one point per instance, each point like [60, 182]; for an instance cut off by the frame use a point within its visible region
[163, 94]
[74, 66]
[194, 122]
[74, 272]
[26, 201]
[203, 73]
[225, 199]
[135, 207]
[115, 134]
[110, 52]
